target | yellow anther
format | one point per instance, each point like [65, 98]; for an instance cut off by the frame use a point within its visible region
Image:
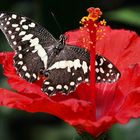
[95, 25]
[85, 18]
[103, 22]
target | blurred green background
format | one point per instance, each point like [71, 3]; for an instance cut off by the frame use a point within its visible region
[20, 125]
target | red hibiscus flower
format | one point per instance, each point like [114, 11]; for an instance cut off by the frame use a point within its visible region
[91, 108]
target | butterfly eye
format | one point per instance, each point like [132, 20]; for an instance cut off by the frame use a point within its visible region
[41, 71]
[46, 73]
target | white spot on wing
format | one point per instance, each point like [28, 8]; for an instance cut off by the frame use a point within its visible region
[98, 78]
[40, 50]
[69, 64]
[17, 29]
[51, 88]
[42, 54]
[25, 27]
[47, 83]
[15, 43]
[79, 78]
[96, 63]
[32, 25]
[20, 63]
[101, 62]
[84, 67]
[12, 36]
[103, 79]
[58, 87]
[23, 20]
[97, 70]
[107, 74]
[22, 33]
[14, 25]
[27, 75]
[34, 42]
[1, 15]
[118, 75]
[77, 64]
[24, 68]
[34, 51]
[109, 80]
[66, 87]
[19, 48]
[34, 75]
[101, 70]
[86, 80]
[20, 56]
[110, 66]
[9, 31]
[72, 83]
[61, 64]
[9, 18]
[14, 16]
[27, 37]
[8, 22]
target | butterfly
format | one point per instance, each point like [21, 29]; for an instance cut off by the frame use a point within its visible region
[38, 52]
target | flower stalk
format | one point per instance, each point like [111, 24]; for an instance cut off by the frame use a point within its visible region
[91, 25]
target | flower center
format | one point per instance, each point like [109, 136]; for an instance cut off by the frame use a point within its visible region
[91, 24]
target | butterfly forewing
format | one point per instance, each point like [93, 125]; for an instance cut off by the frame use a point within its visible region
[30, 41]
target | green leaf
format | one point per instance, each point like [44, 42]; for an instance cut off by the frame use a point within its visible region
[129, 131]
[128, 15]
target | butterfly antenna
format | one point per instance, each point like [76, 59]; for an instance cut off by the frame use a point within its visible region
[57, 23]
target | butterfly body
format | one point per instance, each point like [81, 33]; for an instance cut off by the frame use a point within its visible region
[64, 66]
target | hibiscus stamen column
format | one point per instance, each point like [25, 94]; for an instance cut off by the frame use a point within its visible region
[91, 25]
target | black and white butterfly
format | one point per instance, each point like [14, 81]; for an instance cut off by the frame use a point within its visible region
[37, 51]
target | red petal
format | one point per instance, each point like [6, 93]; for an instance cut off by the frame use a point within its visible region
[130, 79]
[127, 100]
[76, 113]
[123, 43]
[130, 108]
[94, 128]
[68, 110]
[12, 99]
[105, 98]
[79, 38]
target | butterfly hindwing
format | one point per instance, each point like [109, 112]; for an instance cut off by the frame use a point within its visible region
[72, 66]
[69, 68]
[105, 70]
